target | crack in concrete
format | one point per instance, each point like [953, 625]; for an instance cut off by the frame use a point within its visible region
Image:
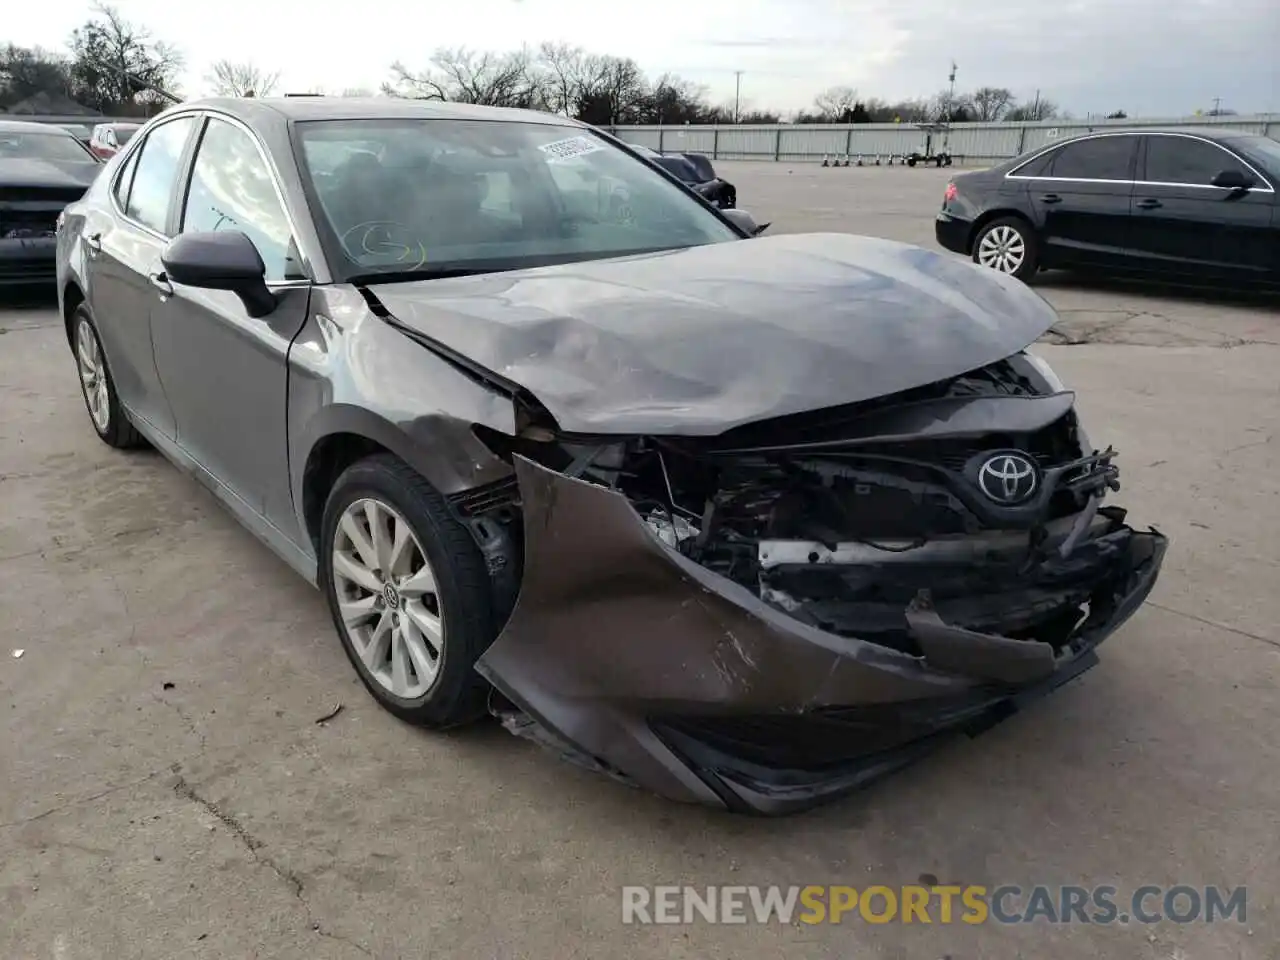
[251, 843]
[1214, 623]
[1247, 446]
[80, 801]
[186, 718]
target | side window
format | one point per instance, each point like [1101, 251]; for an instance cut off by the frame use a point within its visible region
[1184, 160]
[157, 168]
[125, 180]
[231, 189]
[1038, 167]
[1098, 158]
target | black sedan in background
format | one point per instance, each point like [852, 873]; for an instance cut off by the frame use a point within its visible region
[696, 170]
[42, 168]
[1197, 205]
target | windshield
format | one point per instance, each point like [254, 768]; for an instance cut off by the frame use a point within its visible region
[42, 146]
[447, 196]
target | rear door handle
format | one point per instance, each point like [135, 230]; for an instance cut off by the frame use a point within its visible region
[161, 283]
[1050, 198]
[1149, 204]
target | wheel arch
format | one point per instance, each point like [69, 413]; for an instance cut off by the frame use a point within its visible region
[438, 449]
[72, 297]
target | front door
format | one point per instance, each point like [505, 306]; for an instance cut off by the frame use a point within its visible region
[1182, 224]
[225, 372]
[123, 255]
[1081, 201]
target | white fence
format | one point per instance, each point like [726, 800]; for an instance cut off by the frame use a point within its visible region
[968, 143]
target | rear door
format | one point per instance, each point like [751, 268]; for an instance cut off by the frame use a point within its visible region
[124, 255]
[224, 371]
[1182, 223]
[1080, 200]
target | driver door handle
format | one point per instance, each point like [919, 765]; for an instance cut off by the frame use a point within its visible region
[1051, 198]
[161, 283]
[1149, 204]
[93, 242]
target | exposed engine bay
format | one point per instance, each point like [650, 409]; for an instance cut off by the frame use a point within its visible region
[849, 519]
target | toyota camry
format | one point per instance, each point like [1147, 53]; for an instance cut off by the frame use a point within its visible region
[745, 521]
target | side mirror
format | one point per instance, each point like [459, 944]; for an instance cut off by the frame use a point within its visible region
[744, 221]
[221, 260]
[1233, 180]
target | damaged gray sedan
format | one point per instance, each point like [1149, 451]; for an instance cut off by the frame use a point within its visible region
[744, 521]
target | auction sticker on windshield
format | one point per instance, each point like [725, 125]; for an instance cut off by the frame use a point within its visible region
[568, 149]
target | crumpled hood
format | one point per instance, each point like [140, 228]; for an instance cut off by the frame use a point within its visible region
[701, 340]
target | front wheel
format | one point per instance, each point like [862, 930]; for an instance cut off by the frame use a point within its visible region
[1007, 245]
[409, 593]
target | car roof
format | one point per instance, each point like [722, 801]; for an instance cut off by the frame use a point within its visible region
[1207, 133]
[30, 126]
[370, 108]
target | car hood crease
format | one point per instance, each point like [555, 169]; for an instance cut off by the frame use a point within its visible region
[700, 340]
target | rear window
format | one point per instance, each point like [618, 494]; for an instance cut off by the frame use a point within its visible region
[1037, 166]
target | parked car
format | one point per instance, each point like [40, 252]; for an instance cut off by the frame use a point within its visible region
[743, 521]
[81, 131]
[42, 168]
[697, 171]
[108, 138]
[1187, 204]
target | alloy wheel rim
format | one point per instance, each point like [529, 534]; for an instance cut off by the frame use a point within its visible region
[1003, 249]
[93, 377]
[387, 598]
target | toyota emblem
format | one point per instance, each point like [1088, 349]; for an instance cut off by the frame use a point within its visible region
[1008, 478]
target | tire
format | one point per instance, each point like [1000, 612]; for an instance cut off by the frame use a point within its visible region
[911, 161]
[107, 417]
[1014, 236]
[452, 693]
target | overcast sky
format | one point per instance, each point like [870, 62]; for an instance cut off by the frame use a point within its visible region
[1147, 57]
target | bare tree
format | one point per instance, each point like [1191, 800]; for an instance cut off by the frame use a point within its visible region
[948, 107]
[116, 66]
[468, 76]
[1037, 109]
[835, 104]
[990, 103]
[27, 73]
[231, 79]
[562, 76]
[416, 86]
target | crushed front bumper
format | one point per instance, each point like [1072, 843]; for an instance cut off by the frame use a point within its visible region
[626, 656]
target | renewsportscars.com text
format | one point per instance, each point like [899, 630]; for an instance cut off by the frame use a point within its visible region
[942, 904]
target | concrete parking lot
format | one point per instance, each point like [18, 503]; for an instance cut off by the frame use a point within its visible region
[166, 790]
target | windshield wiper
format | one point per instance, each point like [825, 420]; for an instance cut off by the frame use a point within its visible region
[401, 276]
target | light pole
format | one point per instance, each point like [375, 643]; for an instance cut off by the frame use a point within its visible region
[737, 94]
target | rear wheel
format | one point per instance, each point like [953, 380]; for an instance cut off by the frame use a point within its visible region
[409, 593]
[1007, 245]
[96, 386]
